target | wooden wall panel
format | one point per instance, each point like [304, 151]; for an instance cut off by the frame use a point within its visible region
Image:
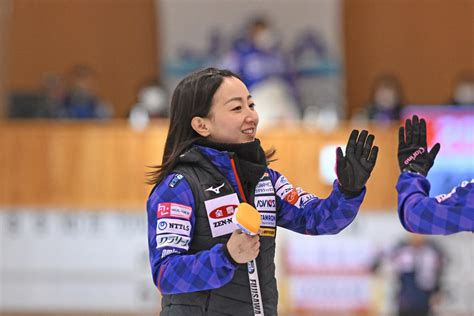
[118, 38]
[426, 43]
[5, 14]
[94, 165]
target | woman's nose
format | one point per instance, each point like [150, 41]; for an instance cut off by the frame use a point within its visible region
[251, 116]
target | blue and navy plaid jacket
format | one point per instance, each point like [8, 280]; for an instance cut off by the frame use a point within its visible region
[175, 271]
[441, 215]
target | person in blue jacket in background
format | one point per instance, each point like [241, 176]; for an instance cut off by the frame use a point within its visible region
[212, 161]
[441, 215]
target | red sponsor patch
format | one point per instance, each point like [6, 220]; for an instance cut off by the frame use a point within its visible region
[168, 209]
[223, 211]
[292, 196]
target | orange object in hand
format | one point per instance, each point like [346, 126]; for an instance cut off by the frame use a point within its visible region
[247, 218]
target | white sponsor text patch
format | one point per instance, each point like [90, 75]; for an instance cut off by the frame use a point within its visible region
[265, 203]
[220, 212]
[172, 240]
[268, 219]
[173, 226]
[264, 187]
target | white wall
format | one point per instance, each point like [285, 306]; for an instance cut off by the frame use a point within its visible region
[58, 260]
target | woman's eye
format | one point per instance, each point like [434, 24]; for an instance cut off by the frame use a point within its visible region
[252, 105]
[237, 108]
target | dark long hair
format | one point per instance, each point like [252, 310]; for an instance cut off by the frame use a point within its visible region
[191, 97]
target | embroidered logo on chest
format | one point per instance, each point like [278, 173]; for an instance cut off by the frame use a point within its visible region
[216, 190]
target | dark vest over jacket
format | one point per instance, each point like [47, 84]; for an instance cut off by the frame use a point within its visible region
[233, 298]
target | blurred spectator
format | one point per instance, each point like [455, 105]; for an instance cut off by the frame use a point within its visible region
[463, 93]
[257, 58]
[152, 103]
[386, 100]
[418, 264]
[42, 103]
[23, 104]
[51, 95]
[81, 101]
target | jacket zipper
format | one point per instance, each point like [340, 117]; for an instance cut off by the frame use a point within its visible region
[207, 301]
[239, 184]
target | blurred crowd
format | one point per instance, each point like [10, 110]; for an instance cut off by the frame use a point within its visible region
[277, 79]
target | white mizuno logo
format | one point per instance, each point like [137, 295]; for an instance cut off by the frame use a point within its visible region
[215, 190]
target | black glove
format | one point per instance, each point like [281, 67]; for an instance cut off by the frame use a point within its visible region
[354, 169]
[413, 152]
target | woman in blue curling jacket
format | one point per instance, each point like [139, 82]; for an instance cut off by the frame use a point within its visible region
[212, 162]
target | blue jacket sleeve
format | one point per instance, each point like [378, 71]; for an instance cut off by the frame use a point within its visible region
[171, 220]
[441, 215]
[305, 213]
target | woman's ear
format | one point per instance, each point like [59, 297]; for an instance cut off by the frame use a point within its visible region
[200, 125]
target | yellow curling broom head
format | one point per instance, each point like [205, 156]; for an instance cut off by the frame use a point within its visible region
[247, 218]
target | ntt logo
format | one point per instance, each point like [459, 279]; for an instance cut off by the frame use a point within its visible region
[162, 225]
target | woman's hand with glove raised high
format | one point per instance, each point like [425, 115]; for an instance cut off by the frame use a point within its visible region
[353, 170]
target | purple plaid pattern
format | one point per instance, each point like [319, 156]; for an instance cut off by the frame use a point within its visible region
[443, 215]
[319, 216]
[205, 270]
[174, 271]
[179, 272]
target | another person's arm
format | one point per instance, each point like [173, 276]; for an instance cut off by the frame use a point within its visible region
[441, 215]
[418, 213]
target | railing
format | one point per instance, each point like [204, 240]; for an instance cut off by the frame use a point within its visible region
[103, 164]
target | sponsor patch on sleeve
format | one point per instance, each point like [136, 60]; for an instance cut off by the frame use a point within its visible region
[172, 240]
[443, 197]
[168, 251]
[291, 196]
[283, 191]
[173, 226]
[305, 199]
[281, 181]
[295, 197]
[175, 180]
[169, 209]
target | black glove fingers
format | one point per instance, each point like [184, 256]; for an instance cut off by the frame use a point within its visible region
[434, 152]
[423, 134]
[368, 146]
[351, 144]
[408, 132]
[415, 131]
[360, 143]
[401, 138]
[373, 156]
[339, 156]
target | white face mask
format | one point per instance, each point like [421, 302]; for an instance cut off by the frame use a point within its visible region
[464, 93]
[153, 98]
[266, 40]
[386, 98]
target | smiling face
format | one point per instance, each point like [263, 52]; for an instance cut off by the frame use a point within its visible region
[232, 117]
